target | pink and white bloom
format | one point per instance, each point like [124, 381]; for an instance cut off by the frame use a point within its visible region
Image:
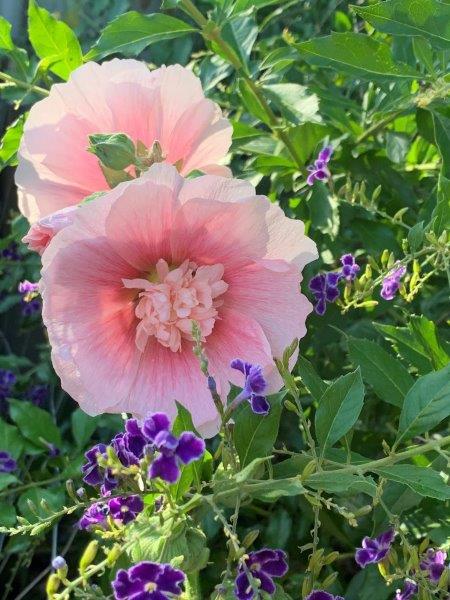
[123, 284]
[42, 232]
[168, 104]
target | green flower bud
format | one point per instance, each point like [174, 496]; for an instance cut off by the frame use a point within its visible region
[88, 556]
[52, 586]
[115, 151]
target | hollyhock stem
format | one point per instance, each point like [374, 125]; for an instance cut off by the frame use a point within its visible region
[23, 84]
[211, 32]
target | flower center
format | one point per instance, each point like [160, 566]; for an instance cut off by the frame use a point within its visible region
[170, 301]
[151, 586]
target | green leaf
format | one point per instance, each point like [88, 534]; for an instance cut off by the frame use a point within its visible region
[240, 33]
[273, 489]
[324, 210]
[34, 423]
[310, 378]
[193, 471]
[291, 467]
[252, 102]
[307, 138]
[441, 122]
[6, 42]
[10, 143]
[415, 236]
[294, 101]
[11, 439]
[129, 34]
[404, 343]
[255, 435]
[336, 482]
[397, 498]
[53, 39]
[424, 331]
[243, 5]
[427, 18]
[426, 404]
[7, 515]
[397, 146]
[423, 480]
[339, 409]
[424, 53]
[83, 426]
[357, 55]
[7, 479]
[388, 377]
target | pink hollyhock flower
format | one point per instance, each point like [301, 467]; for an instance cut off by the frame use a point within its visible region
[123, 284]
[42, 232]
[56, 170]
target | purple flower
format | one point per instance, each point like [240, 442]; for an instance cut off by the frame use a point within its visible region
[349, 267]
[7, 381]
[319, 170]
[129, 446]
[11, 252]
[94, 516]
[125, 509]
[391, 283]
[31, 307]
[38, 394]
[7, 462]
[148, 581]
[374, 549]
[321, 595]
[434, 563]
[27, 287]
[409, 590]
[324, 289]
[263, 565]
[254, 386]
[154, 424]
[30, 302]
[95, 475]
[173, 452]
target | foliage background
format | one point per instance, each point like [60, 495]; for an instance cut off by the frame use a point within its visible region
[355, 215]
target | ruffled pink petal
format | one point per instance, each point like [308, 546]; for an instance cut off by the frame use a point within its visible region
[219, 189]
[41, 233]
[251, 291]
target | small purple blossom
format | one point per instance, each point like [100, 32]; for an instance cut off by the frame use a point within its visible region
[7, 463]
[148, 581]
[254, 386]
[95, 475]
[434, 563]
[59, 563]
[319, 170]
[374, 549]
[173, 452]
[7, 381]
[53, 451]
[31, 307]
[125, 509]
[27, 287]
[391, 283]
[263, 565]
[30, 302]
[322, 595]
[11, 252]
[94, 516]
[409, 590]
[325, 290]
[349, 267]
[38, 394]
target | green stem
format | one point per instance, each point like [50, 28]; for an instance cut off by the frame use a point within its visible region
[23, 84]
[375, 127]
[211, 32]
[192, 587]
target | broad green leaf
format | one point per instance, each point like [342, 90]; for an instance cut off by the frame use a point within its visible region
[240, 33]
[7, 479]
[368, 584]
[339, 409]
[357, 55]
[441, 214]
[426, 404]
[423, 480]
[10, 439]
[424, 53]
[6, 42]
[388, 377]
[34, 423]
[397, 146]
[193, 471]
[252, 469]
[54, 40]
[307, 138]
[83, 426]
[272, 489]
[243, 5]
[324, 210]
[255, 435]
[291, 467]
[310, 378]
[404, 343]
[335, 482]
[424, 331]
[252, 102]
[7, 515]
[294, 101]
[10, 142]
[129, 34]
[441, 122]
[427, 18]
[415, 236]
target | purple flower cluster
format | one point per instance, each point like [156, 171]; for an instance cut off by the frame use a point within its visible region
[319, 170]
[254, 386]
[322, 595]
[153, 439]
[122, 509]
[7, 381]
[7, 462]
[324, 286]
[409, 590]
[38, 394]
[391, 283]
[434, 563]
[374, 549]
[148, 581]
[263, 565]
[30, 302]
[11, 252]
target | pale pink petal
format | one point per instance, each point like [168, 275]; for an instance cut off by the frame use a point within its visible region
[41, 233]
[220, 189]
